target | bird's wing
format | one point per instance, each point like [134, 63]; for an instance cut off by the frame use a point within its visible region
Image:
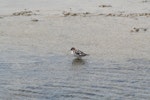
[80, 53]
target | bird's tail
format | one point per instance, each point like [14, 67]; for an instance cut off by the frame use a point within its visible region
[87, 54]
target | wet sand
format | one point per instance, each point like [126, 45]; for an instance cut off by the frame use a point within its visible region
[106, 30]
[35, 39]
[104, 37]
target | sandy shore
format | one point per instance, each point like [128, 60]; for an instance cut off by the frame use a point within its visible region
[106, 30]
[36, 36]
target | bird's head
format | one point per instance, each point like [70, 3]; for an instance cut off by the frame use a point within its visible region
[72, 49]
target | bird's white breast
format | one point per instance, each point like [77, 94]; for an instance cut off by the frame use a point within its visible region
[72, 52]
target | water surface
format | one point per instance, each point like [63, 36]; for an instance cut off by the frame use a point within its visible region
[34, 59]
[57, 77]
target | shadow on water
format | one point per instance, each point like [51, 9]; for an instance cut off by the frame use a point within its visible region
[78, 62]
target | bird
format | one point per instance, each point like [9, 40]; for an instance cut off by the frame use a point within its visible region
[77, 53]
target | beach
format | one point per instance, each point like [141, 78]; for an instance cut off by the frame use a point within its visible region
[36, 36]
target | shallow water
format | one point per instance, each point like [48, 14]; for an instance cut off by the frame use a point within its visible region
[34, 64]
[32, 69]
[58, 77]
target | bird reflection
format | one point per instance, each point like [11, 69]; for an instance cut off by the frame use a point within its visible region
[78, 61]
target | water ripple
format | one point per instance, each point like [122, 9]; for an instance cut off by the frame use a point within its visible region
[60, 77]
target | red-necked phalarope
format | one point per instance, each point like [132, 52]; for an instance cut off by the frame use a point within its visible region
[77, 53]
